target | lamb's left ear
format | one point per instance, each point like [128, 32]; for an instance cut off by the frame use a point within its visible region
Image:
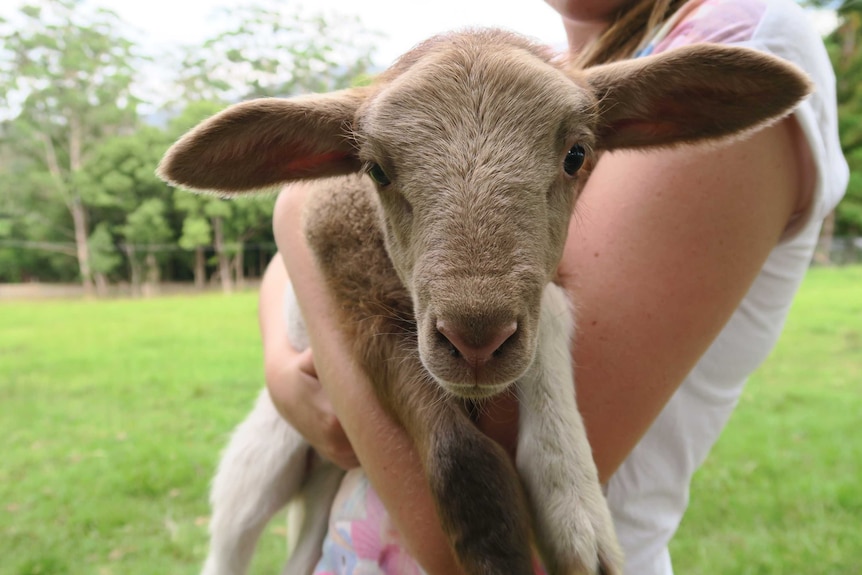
[262, 143]
[695, 93]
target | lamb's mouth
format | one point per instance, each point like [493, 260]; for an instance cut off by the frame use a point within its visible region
[475, 391]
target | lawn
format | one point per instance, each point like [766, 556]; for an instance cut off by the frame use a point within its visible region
[782, 490]
[112, 415]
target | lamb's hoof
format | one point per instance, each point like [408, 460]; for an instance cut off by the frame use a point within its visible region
[610, 568]
[591, 548]
[610, 557]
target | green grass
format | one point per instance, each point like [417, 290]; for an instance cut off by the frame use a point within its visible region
[112, 415]
[782, 490]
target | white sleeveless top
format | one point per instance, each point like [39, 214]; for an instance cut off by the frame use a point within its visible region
[649, 493]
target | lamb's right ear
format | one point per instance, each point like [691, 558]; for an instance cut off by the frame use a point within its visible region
[262, 143]
[696, 93]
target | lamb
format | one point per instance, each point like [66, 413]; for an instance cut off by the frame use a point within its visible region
[443, 193]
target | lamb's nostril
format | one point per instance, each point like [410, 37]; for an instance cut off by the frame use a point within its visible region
[476, 349]
[444, 342]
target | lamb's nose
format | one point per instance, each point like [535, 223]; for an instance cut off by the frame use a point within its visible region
[476, 349]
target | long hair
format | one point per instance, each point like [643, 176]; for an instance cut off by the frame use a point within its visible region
[633, 23]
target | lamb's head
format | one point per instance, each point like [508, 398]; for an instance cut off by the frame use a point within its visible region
[477, 154]
[478, 144]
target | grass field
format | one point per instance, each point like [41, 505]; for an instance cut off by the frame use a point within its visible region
[112, 415]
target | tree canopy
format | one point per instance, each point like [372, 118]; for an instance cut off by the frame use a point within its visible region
[78, 145]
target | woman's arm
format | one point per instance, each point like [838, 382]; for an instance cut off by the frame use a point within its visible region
[662, 249]
[291, 377]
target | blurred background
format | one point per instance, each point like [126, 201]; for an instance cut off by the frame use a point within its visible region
[123, 364]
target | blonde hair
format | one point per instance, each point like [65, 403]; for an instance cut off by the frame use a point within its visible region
[633, 23]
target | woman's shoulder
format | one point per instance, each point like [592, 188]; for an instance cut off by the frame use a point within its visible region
[784, 29]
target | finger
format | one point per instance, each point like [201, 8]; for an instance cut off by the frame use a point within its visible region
[306, 363]
[345, 461]
[341, 454]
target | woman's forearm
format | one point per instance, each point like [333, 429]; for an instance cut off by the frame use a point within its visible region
[273, 331]
[385, 451]
[291, 378]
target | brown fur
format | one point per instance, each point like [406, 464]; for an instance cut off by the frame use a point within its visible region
[472, 130]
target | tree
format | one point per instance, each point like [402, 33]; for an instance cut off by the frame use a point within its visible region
[32, 244]
[226, 225]
[117, 182]
[77, 166]
[197, 230]
[265, 51]
[71, 72]
[145, 231]
[845, 50]
[250, 215]
[104, 256]
[269, 50]
[196, 236]
[847, 59]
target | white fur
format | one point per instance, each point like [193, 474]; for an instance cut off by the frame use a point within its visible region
[554, 459]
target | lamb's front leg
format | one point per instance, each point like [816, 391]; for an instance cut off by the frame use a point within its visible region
[479, 499]
[572, 522]
[475, 488]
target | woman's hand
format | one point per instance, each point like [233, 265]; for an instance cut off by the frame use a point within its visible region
[300, 399]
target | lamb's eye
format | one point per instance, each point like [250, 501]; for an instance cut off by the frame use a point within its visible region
[574, 159]
[378, 175]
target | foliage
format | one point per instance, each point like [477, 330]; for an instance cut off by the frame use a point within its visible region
[275, 49]
[77, 160]
[105, 258]
[113, 414]
[34, 228]
[146, 225]
[71, 70]
[120, 172]
[197, 232]
[845, 51]
[72, 73]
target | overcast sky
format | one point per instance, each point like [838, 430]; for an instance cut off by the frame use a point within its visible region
[404, 22]
[165, 23]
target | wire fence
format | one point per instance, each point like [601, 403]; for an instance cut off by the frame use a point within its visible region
[841, 250]
[70, 247]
